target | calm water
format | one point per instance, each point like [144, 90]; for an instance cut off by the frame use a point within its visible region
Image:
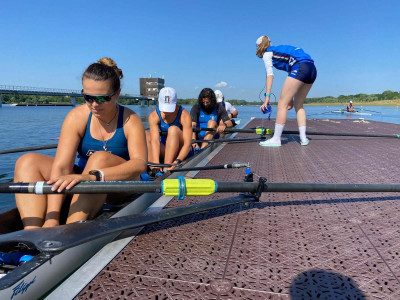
[26, 126]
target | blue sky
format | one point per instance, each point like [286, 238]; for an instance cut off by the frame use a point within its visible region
[197, 44]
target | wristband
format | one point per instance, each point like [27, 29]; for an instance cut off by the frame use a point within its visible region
[267, 95]
[178, 160]
[95, 173]
[103, 178]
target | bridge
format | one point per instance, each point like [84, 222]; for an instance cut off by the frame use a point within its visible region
[25, 90]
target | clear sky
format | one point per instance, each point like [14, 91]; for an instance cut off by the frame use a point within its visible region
[197, 44]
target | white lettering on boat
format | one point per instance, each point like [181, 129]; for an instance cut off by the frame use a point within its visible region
[22, 287]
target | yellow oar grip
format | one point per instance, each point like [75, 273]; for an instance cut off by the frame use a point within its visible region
[182, 187]
[263, 131]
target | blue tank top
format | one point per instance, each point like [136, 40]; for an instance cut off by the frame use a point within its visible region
[163, 127]
[116, 145]
[285, 56]
[204, 118]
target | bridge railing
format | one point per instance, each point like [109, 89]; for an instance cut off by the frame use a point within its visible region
[37, 89]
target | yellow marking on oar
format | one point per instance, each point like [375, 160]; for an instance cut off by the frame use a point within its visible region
[192, 187]
[263, 131]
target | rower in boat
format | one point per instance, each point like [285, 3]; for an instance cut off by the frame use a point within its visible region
[350, 107]
[207, 113]
[230, 109]
[110, 142]
[173, 120]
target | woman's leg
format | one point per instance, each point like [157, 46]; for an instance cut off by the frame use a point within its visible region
[290, 88]
[86, 206]
[300, 112]
[174, 144]
[32, 167]
[209, 134]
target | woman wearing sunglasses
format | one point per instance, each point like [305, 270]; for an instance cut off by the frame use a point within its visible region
[110, 142]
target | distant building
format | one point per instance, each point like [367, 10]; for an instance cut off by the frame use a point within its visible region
[149, 87]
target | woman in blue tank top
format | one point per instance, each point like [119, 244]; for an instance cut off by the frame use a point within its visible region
[207, 113]
[302, 74]
[174, 121]
[111, 145]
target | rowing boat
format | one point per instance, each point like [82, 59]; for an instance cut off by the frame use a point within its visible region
[343, 111]
[46, 270]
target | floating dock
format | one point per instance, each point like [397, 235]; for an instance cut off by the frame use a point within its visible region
[287, 246]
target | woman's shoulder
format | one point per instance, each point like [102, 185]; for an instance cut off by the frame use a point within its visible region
[79, 112]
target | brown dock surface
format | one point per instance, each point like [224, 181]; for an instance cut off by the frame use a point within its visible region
[288, 245]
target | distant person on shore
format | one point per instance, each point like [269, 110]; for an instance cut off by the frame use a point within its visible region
[207, 113]
[302, 74]
[350, 107]
[110, 142]
[230, 109]
[173, 120]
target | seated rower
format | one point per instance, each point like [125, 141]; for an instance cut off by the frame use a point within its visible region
[350, 107]
[208, 114]
[110, 142]
[174, 121]
[230, 109]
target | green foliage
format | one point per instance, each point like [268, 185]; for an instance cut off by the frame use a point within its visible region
[40, 99]
[386, 95]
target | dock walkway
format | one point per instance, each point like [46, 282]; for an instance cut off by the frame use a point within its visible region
[287, 246]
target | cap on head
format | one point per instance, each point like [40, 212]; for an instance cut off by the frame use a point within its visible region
[259, 40]
[167, 99]
[351, 101]
[219, 95]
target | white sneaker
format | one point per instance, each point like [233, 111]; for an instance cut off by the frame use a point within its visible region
[269, 143]
[305, 143]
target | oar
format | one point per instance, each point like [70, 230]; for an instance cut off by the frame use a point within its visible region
[60, 238]
[397, 136]
[261, 131]
[25, 149]
[230, 140]
[193, 187]
[217, 167]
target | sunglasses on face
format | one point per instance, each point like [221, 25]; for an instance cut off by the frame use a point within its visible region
[206, 102]
[97, 98]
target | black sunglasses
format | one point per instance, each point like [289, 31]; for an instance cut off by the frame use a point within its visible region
[97, 98]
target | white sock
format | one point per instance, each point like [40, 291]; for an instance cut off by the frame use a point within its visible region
[302, 131]
[277, 133]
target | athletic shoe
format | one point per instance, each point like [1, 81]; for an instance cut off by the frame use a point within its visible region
[268, 143]
[305, 143]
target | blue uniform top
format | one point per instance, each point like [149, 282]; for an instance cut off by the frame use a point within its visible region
[285, 56]
[116, 145]
[204, 118]
[164, 126]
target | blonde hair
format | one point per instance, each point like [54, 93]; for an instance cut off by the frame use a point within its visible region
[105, 69]
[265, 43]
[111, 63]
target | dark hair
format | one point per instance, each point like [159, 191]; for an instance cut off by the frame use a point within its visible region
[105, 69]
[208, 93]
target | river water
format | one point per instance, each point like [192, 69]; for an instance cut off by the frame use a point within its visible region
[26, 126]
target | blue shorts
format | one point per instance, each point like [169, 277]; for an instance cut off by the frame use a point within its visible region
[305, 72]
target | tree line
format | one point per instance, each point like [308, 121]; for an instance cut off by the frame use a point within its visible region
[39, 99]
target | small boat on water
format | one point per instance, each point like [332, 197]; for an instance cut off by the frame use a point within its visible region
[344, 111]
[37, 277]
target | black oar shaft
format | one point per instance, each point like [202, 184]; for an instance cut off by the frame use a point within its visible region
[230, 140]
[345, 134]
[306, 187]
[25, 149]
[84, 188]
[222, 187]
[217, 167]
